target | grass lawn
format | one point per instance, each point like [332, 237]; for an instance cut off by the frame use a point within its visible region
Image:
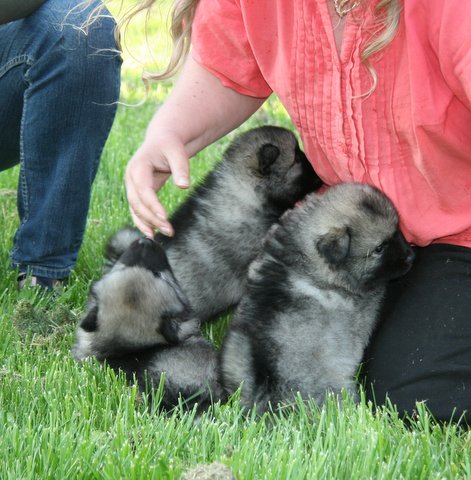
[63, 420]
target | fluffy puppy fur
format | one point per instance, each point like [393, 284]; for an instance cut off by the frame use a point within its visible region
[313, 296]
[139, 321]
[219, 228]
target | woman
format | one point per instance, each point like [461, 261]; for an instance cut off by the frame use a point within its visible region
[380, 92]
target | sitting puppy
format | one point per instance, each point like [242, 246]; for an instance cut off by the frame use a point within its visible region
[139, 321]
[313, 296]
[220, 226]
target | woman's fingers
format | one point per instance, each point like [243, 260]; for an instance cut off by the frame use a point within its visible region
[146, 173]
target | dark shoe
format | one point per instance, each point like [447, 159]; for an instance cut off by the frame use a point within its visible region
[25, 280]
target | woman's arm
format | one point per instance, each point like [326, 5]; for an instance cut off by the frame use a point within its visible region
[199, 111]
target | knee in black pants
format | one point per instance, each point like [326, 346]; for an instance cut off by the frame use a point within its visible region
[421, 348]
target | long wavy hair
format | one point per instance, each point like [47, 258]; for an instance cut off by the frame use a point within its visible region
[182, 15]
[387, 14]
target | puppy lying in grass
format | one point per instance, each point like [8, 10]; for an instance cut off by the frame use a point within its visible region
[139, 321]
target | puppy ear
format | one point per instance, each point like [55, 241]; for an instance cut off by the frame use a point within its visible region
[90, 322]
[267, 155]
[119, 243]
[335, 245]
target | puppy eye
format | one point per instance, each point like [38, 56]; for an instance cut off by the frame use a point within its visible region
[380, 248]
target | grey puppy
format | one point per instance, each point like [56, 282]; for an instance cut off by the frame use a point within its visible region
[139, 321]
[219, 227]
[313, 296]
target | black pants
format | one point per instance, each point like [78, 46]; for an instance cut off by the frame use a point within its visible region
[421, 349]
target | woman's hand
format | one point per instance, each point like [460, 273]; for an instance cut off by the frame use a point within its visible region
[146, 173]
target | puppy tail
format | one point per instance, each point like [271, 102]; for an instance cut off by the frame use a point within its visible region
[236, 366]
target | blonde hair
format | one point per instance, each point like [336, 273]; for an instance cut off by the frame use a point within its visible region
[182, 15]
[387, 14]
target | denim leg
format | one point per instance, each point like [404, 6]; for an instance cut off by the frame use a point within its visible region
[59, 84]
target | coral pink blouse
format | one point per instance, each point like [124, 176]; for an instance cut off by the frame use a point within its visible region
[411, 137]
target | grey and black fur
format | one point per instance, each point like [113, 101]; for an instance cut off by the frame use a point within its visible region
[313, 296]
[220, 226]
[139, 321]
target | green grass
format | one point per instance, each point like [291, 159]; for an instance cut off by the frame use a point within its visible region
[63, 420]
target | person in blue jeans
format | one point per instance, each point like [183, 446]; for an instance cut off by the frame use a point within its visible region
[59, 87]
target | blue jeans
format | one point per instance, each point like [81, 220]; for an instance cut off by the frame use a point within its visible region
[59, 85]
